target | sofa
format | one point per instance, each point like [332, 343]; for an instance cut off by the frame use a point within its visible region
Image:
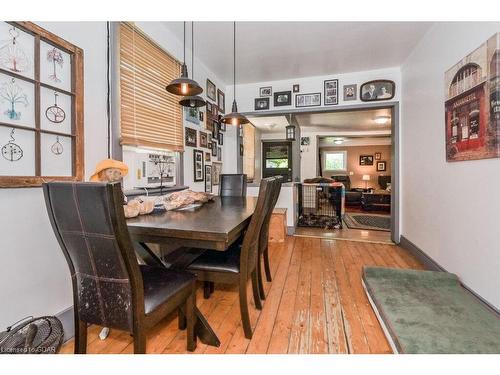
[352, 195]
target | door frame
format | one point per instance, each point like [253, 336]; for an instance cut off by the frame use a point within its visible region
[395, 148]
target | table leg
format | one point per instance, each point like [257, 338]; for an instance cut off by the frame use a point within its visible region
[203, 330]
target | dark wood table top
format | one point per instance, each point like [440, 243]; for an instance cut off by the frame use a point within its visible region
[215, 225]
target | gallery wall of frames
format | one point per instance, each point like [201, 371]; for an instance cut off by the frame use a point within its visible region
[41, 106]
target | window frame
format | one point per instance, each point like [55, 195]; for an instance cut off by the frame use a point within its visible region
[326, 152]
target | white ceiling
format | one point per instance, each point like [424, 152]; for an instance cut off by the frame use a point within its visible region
[268, 51]
[339, 123]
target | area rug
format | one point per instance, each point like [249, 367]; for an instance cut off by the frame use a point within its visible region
[368, 221]
[430, 312]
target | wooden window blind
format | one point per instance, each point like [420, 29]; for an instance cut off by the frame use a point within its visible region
[249, 151]
[149, 115]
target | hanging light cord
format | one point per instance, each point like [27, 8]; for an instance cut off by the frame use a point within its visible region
[184, 42]
[108, 88]
[234, 60]
[192, 49]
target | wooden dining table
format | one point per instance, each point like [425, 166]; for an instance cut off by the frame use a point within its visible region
[214, 225]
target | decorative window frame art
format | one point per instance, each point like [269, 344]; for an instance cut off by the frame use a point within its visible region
[41, 107]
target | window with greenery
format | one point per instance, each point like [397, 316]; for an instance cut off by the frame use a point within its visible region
[335, 160]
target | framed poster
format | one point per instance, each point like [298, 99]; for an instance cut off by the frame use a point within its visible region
[350, 92]
[381, 166]
[282, 98]
[190, 137]
[198, 165]
[221, 101]
[472, 104]
[211, 90]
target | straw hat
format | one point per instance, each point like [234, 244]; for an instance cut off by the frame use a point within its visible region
[108, 163]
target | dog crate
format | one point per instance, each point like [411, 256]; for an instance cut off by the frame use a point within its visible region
[320, 205]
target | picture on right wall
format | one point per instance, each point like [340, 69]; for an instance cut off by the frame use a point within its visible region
[473, 104]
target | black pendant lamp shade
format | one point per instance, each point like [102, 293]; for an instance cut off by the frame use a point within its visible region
[192, 101]
[234, 118]
[183, 85]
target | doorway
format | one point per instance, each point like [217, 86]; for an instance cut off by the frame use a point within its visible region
[277, 160]
[309, 161]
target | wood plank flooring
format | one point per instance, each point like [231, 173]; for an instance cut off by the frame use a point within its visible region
[315, 304]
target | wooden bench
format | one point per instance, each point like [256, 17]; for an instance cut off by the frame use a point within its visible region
[277, 225]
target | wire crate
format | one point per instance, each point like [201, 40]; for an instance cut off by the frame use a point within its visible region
[320, 205]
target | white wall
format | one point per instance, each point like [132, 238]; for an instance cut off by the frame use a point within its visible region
[34, 276]
[449, 210]
[246, 93]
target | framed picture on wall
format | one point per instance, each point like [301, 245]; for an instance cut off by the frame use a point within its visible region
[350, 92]
[190, 137]
[198, 165]
[219, 154]
[381, 89]
[378, 156]
[221, 138]
[214, 148]
[381, 166]
[207, 157]
[211, 90]
[203, 139]
[366, 160]
[216, 172]
[308, 100]
[265, 91]
[208, 178]
[331, 88]
[282, 98]
[261, 103]
[221, 101]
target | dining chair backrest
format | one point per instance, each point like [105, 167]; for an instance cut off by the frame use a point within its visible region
[250, 245]
[275, 193]
[233, 185]
[89, 223]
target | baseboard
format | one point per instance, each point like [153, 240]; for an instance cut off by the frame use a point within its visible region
[418, 253]
[68, 322]
[432, 265]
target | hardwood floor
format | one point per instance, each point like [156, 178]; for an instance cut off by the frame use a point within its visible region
[315, 304]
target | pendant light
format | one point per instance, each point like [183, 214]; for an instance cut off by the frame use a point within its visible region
[234, 118]
[183, 85]
[194, 100]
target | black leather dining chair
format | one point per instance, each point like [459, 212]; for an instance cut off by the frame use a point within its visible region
[239, 263]
[233, 185]
[110, 288]
[264, 235]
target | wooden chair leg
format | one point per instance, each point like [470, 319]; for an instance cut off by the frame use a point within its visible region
[182, 319]
[266, 265]
[212, 287]
[261, 282]
[80, 336]
[191, 320]
[206, 289]
[245, 316]
[255, 288]
[139, 340]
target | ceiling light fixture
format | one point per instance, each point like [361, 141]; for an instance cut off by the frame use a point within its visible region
[338, 141]
[381, 120]
[183, 85]
[234, 118]
[194, 100]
